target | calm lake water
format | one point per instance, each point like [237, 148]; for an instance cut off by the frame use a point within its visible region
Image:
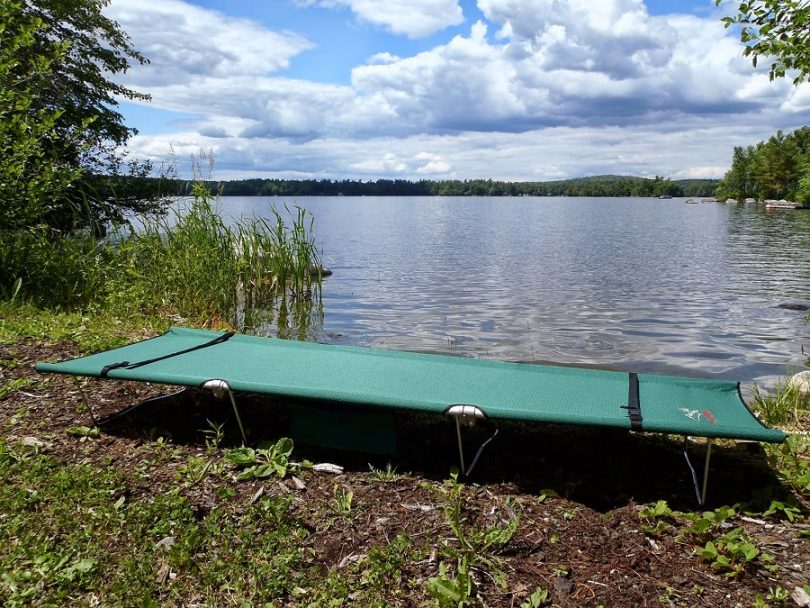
[622, 283]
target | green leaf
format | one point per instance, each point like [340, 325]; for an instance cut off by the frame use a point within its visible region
[749, 551]
[241, 456]
[83, 566]
[709, 551]
[445, 590]
[538, 597]
[83, 431]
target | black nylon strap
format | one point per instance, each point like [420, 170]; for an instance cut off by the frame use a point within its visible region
[633, 404]
[108, 368]
[127, 365]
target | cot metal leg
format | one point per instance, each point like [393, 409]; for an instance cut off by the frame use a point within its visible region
[700, 490]
[460, 445]
[706, 471]
[86, 401]
[467, 415]
[219, 388]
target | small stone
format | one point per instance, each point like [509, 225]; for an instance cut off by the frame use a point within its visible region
[165, 543]
[563, 585]
[793, 306]
[33, 442]
[801, 597]
[327, 467]
[299, 485]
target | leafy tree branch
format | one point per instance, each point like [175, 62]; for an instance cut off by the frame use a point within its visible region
[778, 30]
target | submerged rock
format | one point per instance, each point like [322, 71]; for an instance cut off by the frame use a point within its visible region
[793, 306]
[324, 272]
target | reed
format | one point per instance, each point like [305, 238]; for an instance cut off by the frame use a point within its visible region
[192, 264]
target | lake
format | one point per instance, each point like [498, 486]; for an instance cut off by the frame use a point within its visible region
[635, 284]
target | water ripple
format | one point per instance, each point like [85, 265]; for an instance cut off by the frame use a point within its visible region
[619, 283]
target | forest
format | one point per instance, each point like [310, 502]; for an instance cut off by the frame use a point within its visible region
[778, 168]
[602, 185]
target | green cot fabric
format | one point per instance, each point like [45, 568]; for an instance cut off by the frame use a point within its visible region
[432, 383]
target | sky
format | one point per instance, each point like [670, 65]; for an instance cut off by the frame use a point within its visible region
[519, 90]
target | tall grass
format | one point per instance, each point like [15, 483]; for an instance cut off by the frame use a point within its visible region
[192, 264]
[187, 264]
[786, 406]
[49, 269]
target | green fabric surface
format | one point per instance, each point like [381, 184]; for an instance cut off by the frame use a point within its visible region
[432, 383]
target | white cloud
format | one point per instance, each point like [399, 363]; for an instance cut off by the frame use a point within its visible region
[185, 42]
[457, 86]
[700, 172]
[798, 100]
[612, 66]
[568, 88]
[434, 167]
[435, 164]
[542, 154]
[383, 58]
[386, 165]
[413, 18]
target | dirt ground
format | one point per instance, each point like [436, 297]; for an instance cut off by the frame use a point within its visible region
[585, 544]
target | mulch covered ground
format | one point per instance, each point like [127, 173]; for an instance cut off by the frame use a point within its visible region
[585, 544]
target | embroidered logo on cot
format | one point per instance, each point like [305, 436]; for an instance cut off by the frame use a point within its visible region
[697, 415]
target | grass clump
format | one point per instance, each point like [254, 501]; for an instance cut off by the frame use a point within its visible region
[88, 330]
[43, 266]
[787, 405]
[192, 264]
[48, 558]
[76, 535]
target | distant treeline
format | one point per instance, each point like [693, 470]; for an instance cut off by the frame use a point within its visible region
[602, 185]
[773, 169]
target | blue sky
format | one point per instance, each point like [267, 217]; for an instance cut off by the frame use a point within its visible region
[447, 89]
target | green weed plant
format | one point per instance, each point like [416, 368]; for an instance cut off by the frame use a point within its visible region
[471, 549]
[733, 553]
[268, 460]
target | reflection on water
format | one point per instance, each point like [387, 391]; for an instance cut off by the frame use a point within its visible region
[632, 284]
[290, 318]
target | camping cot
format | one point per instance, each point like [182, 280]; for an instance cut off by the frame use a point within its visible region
[464, 388]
